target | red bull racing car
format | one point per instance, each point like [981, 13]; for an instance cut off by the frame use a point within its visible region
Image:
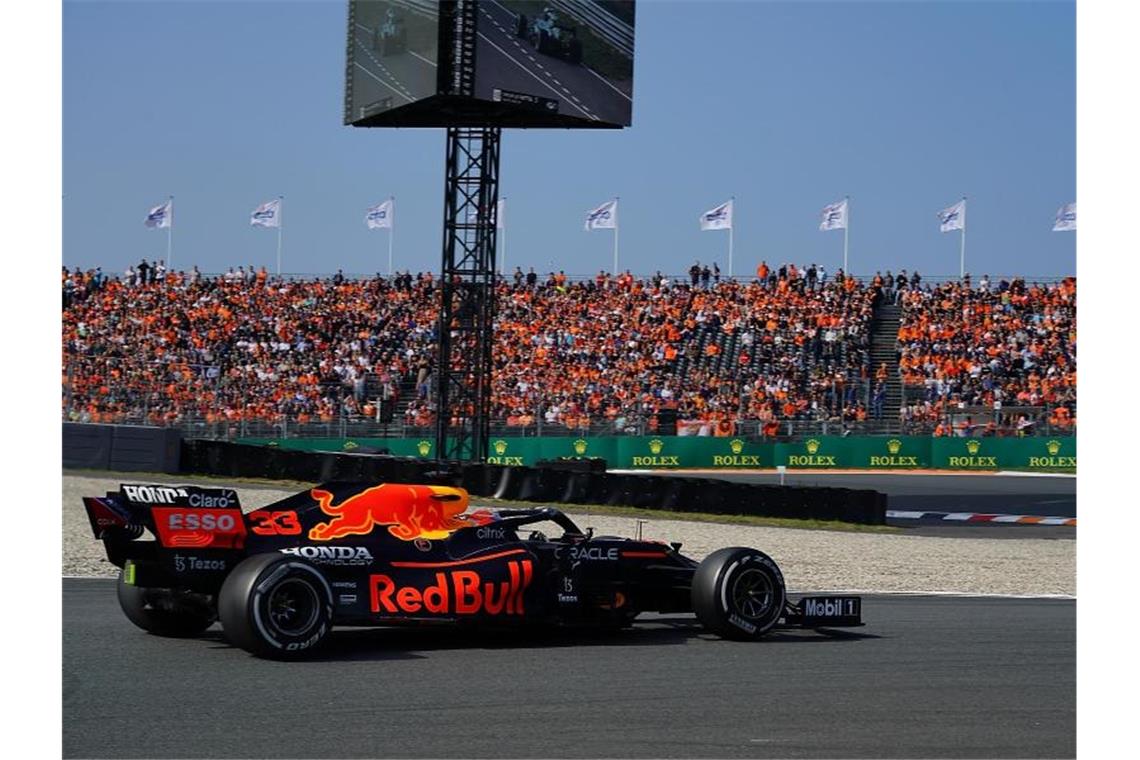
[361, 554]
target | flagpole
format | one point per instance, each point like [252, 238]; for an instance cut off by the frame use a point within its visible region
[732, 224]
[962, 264]
[170, 238]
[391, 229]
[846, 226]
[280, 225]
[617, 223]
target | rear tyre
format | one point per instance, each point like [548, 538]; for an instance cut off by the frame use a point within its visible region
[739, 593]
[163, 612]
[276, 606]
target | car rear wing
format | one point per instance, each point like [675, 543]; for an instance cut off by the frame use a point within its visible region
[131, 508]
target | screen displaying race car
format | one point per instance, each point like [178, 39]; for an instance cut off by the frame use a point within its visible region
[280, 578]
[393, 55]
[571, 57]
[509, 63]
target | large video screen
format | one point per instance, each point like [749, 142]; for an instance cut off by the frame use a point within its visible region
[569, 57]
[536, 63]
[393, 55]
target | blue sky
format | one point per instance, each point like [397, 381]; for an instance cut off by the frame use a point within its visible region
[788, 106]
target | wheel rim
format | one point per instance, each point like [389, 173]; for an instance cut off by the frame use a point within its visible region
[752, 594]
[293, 607]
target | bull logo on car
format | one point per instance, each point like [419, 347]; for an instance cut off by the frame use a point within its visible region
[410, 512]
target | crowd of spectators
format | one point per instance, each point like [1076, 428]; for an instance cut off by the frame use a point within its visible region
[601, 350]
[991, 345]
[239, 348]
[167, 347]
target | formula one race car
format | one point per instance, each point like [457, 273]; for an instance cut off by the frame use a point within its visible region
[391, 36]
[362, 554]
[549, 36]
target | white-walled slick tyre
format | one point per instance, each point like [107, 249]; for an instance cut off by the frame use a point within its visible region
[739, 593]
[276, 606]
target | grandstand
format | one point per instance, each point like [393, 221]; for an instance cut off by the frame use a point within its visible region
[245, 354]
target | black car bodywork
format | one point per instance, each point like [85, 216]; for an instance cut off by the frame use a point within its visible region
[365, 554]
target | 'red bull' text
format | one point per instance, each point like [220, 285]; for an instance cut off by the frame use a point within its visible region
[456, 592]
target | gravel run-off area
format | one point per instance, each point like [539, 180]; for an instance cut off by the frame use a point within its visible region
[812, 560]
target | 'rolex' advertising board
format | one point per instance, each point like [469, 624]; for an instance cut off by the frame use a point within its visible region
[715, 453]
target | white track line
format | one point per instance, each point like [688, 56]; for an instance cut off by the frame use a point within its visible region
[525, 51]
[425, 60]
[966, 594]
[1016, 474]
[607, 83]
[536, 77]
[381, 81]
[383, 68]
[587, 68]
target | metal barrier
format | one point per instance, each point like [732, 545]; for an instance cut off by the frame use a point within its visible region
[606, 25]
[752, 430]
[429, 8]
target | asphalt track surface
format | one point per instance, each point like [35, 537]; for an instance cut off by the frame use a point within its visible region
[927, 677]
[403, 77]
[1011, 494]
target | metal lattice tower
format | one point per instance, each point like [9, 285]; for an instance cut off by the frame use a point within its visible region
[467, 289]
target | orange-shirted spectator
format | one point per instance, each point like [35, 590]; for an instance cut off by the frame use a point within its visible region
[228, 349]
[977, 346]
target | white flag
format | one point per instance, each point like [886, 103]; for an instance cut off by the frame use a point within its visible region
[501, 214]
[603, 217]
[381, 216]
[953, 217]
[161, 216]
[1066, 218]
[266, 215]
[719, 218]
[834, 217]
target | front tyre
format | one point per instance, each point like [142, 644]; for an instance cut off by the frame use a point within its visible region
[163, 612]
[276, 606]
[738, 593]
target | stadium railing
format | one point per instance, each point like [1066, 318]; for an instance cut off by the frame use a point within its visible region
[789, 430]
